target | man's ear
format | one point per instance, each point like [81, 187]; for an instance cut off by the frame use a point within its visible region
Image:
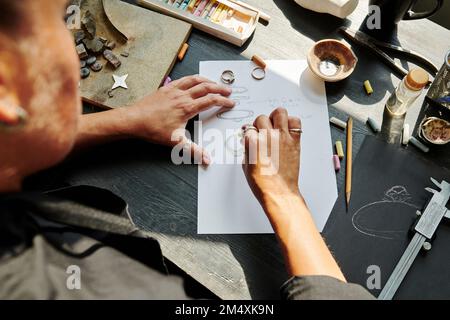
[10, 111]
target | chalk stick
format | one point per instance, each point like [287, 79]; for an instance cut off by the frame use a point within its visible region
[201, 7]
[338, 123]
[339, 150]
[419, 145]
[217, 13]
[167, 81]
[183, 51]
[191, 5]
[373, 125]
[405, 135]
[368, 87]
[212, 11]
[337, 163]
[208, 8]
[259, 61]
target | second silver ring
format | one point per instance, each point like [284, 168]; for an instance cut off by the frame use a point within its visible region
[248, 127]
[228, 77]
[258, 73]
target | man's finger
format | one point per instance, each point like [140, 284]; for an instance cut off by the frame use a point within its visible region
[263, 122]
[198, 154]
[279, 119]
[205, 88]
[251, 147]
[209, 101]
[295, 123]
[188, 82]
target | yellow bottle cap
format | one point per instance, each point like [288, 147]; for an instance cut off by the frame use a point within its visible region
[417, 79]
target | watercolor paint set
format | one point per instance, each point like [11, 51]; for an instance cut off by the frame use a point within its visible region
[232, 21]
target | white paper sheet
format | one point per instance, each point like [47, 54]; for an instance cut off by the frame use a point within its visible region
[226, 204]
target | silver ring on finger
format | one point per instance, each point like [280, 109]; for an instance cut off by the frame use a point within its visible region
[296, 130]
[248, 127]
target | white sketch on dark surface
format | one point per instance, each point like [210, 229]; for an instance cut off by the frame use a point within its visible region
[395, 196]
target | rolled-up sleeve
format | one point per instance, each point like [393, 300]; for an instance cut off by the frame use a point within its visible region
[322, 288]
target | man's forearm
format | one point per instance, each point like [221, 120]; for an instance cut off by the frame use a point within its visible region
[102, 127]
[304, 249]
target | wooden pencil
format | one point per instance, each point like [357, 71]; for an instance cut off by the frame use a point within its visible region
[348, 170]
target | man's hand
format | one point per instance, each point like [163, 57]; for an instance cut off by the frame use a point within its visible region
[272, 161]
[158, 116]
[273, 173]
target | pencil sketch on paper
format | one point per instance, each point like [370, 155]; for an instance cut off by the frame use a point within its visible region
[284, 102]
[397, 196]
[235, 115]
[233, 144]
[273, 103]
[239, 90]
[239, 98]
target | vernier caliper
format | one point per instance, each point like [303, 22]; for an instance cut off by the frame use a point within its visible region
[424, 230]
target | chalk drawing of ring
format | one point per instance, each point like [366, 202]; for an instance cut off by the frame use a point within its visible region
[393, 211]
[235, 115]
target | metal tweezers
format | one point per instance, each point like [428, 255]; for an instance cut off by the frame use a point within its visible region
[374, 44]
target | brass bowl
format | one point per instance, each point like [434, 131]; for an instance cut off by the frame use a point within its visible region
[331, 60]
[435, 130]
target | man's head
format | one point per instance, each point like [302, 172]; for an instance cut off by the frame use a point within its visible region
[39, 72]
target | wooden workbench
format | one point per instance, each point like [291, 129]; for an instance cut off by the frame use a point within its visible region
[163, 197]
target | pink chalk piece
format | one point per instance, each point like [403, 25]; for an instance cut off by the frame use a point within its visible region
[201, 7]
[167, 81]
[337, 163]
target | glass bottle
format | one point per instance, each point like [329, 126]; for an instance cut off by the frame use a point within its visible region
[399, 102]
[407, 92]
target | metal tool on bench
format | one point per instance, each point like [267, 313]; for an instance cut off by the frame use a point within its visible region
[374, 45]
[424, 230]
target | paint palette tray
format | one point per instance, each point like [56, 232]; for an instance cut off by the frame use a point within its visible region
[225, 19]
